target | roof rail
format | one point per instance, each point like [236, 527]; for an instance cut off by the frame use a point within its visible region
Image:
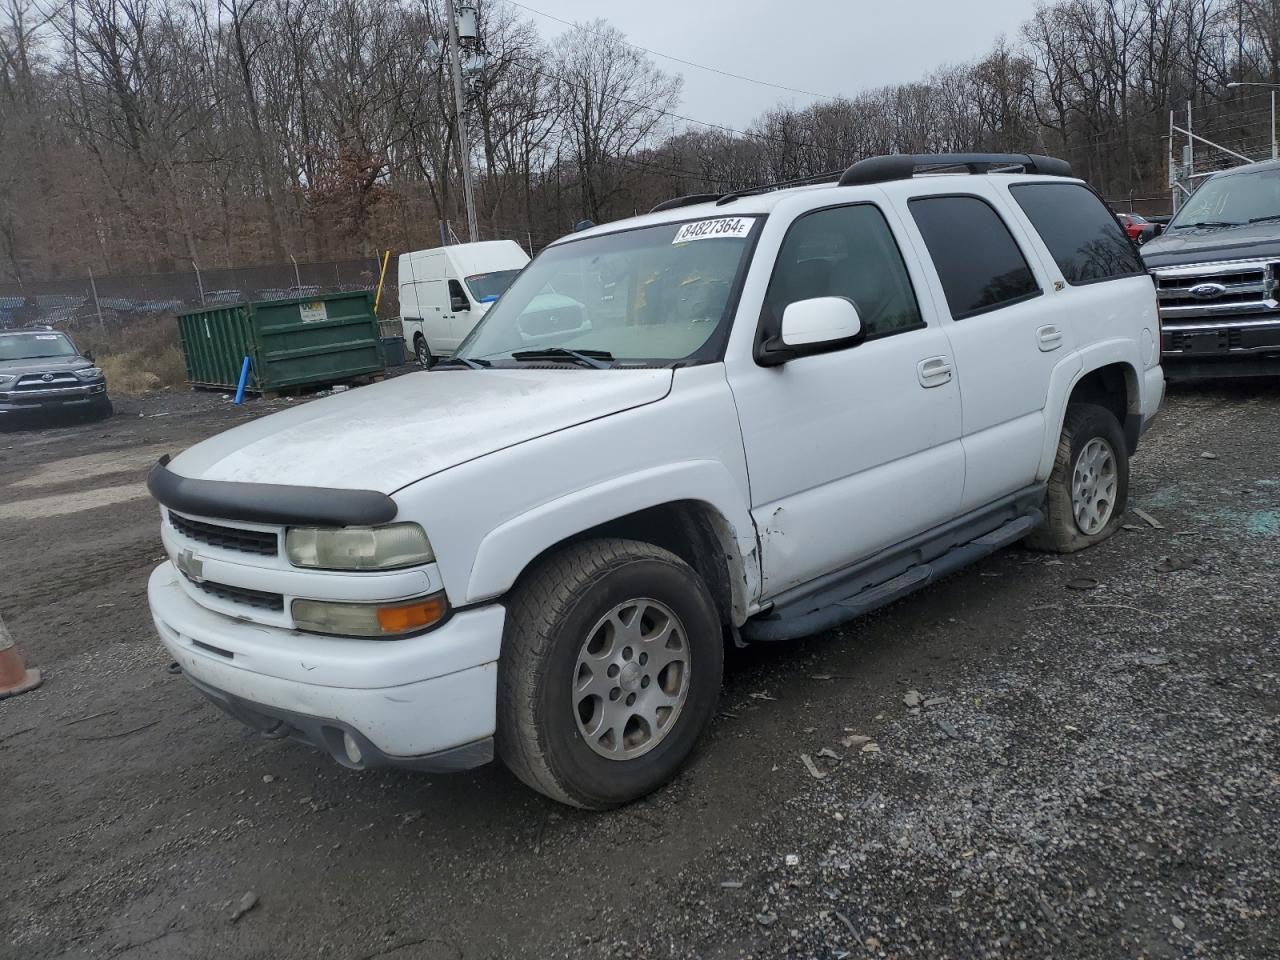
[905, 166]
[688, 201]
[779, 185]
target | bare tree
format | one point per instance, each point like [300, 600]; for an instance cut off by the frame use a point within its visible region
[614, 102]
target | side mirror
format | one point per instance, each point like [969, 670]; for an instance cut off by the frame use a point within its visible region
[458, 304]
[88, 355]
[817, 325]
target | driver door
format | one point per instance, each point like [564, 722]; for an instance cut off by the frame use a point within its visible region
[852, 451]
[460, 320]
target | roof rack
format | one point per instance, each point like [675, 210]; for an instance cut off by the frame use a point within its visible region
[898, 166]
[779, 185]
[688, 201]
[905, 166]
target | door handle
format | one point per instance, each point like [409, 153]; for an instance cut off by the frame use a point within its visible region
[1049, 337]
[934, 371]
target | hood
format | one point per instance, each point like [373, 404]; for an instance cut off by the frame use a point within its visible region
[1189, 245]
[386, 436]
[43, 365]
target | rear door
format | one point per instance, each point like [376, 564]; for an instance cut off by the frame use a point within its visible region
[1006, 335]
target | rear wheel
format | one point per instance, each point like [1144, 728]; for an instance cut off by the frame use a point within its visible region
[1089, 486]
[423, 352]
[610, 672]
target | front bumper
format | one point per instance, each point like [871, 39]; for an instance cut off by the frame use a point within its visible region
[24, 401]
[1241, 346]
[426, 702]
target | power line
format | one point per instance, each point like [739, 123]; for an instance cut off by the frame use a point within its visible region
[687, 63]
[540, 71]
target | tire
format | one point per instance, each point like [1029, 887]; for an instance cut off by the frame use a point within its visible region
[560, 621]
[1093, 431]
[422, 352]
[101, 409]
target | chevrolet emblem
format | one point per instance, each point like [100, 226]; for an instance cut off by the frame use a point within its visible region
[192, 567]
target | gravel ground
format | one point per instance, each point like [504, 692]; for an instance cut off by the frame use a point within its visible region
[1002, 765]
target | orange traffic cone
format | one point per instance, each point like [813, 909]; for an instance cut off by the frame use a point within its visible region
[15, 678]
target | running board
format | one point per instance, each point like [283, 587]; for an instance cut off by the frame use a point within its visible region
[800, 619]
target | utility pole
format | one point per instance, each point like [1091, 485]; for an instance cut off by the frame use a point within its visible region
[464, 148]
[97, 304]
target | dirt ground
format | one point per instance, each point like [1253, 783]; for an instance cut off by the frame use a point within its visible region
[1050, 772]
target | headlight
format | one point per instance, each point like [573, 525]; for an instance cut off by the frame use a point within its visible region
[89, 373]
[358, 548]
[6, 380]
[369, 619]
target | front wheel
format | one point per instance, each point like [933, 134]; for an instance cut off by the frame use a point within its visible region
[101, 409]
[1089, 486]
[610, 672]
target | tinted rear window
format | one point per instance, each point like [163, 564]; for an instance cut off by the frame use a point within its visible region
[1086, 241]
[978, 261]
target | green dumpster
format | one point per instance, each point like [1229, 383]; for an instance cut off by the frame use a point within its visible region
[292, 343]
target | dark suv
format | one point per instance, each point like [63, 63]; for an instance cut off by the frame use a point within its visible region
[41, 370]
[1217, 266]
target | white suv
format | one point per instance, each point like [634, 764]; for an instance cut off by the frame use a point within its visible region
[750, 416]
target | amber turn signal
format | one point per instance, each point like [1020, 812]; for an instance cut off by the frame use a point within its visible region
[369, 619]
[411, 616]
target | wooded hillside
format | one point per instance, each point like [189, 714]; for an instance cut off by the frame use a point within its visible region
[139, 134]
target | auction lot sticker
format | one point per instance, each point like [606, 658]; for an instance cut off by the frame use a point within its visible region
[719, 228]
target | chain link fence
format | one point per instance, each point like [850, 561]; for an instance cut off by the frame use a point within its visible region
[114, 301]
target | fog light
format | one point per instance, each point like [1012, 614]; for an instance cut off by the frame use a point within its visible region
[353, 749]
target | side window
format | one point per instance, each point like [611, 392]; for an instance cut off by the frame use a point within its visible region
[457, 299]
[1086, 241]
[844, 252]
[977, 259]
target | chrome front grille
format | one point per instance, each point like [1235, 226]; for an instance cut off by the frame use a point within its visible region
[47, 381]
[1217, 291]
[263, 543]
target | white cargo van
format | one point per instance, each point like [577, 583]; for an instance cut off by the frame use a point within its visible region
[446, 290]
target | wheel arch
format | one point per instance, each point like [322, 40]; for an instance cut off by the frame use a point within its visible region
[710, 530]
[1113, 387]
[1107, 376]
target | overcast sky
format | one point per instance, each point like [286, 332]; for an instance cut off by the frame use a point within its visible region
[825, 46]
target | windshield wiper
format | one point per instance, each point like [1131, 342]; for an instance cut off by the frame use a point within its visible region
[463, 362]
[1274, 216]
[598, 359]
[1210, 223]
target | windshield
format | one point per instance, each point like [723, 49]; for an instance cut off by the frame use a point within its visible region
[654, 295]
[31, 346]
[1232, 200]
[487, 287]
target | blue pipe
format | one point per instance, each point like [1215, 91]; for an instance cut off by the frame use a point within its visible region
[244, 382]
